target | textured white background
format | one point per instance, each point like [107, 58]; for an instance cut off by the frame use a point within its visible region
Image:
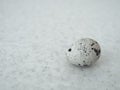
[34, 35]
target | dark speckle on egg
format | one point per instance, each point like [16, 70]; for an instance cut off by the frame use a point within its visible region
[92, 44]
[96, 51]
[85, 65]
[69, 49]
[80, 43]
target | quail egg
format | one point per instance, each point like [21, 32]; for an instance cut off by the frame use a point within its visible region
[84, 52]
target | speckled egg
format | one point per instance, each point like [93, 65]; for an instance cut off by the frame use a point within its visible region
[84, 52]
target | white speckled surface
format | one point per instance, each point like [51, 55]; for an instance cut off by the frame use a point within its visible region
[34, 35]
[83, 52]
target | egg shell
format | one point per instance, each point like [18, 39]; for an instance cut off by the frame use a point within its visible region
[84, 52]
